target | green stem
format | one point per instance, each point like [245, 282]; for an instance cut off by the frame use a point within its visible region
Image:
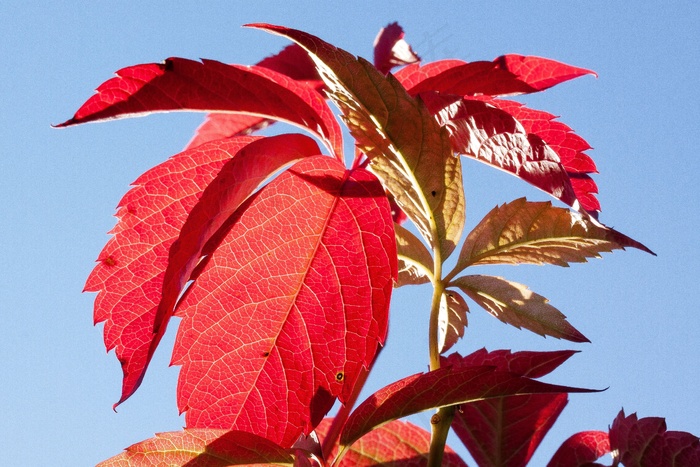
[442, 420]
[440, 427]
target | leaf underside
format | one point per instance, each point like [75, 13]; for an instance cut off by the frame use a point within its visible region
[306, 289]
[459, 383]
[397, 443]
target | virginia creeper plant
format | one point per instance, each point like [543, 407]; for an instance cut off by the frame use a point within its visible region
[279, 255]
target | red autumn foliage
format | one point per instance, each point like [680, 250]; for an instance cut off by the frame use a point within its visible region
[281, 261]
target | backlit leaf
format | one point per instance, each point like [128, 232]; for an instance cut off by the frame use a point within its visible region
[407, 149]
[391, 50]
[415, 262]
[452, 319]
[506, 431]
[458, 384]
[561, 139]
[540, 73]
[185, 85]
[291, 305]
[515, 304]
[506, 75]
[645, 441]
[581, 450]
[492, 136]
[130, 269]
[522, 232]
[201, 448]
[292, 61]
[396, 444]
[234, 184]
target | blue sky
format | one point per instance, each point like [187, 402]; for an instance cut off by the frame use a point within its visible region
[59, 189]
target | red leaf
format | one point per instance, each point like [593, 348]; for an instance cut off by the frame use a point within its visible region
[129, 273]
[413, 75]
[507, 431]
[293, 62]
[390, 49]
[493, 136]
[221, 125]
[524, 363]
[562, 140]
[291, 305]
[180, 84]
[506, 75]
[540, 73]
[236, 181]
[645, 441]
[468, 79]
[459, 383]
[201, 448]
[396, 444]
[581, 450]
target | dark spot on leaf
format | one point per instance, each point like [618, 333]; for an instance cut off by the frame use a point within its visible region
[339, 376]
[266, 354]
[168, 65]
[109, 261]
[433, 193]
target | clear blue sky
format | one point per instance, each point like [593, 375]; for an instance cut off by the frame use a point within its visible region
[59, 189]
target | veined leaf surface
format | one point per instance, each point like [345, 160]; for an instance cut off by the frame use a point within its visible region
[458, 383]
[526, 232]
[506, 431]
[407, 149]
[234, 184]
[292, 61]
[291, 305]
[396, 444]
[179, 84]
[515, 304]
[581, 450]
[452, 319]
[494, 137]
[506, 75]
[415, 262]
[130, 269]
[201, 448]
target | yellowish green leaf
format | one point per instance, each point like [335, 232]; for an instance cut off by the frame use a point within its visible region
[515, 304]
[407, 148]
[415, 262]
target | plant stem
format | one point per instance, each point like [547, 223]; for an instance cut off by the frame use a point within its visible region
[440, 427]
[442, 420]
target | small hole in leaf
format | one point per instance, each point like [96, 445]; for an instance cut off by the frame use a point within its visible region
[433, 193]
[339, 376]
